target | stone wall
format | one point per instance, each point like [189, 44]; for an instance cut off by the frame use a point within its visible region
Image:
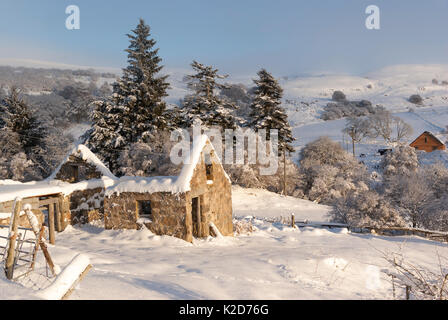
[172, 213]
[85, 171]
[7, 207]
[220, 198]
[168, 213]
[86, 205]
[215, 198]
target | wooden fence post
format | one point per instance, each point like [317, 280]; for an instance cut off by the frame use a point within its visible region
[51, 222]
[408, 292]
[13, 229]
[58, 217]
[393, 286]
[40, 241]
[293, 221]
[62, 213]
[72, 288]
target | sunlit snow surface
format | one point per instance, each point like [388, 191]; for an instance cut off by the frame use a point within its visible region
[274, 262]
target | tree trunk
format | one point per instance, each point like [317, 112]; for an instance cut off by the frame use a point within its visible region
[284, 172]
[353, 146]
[11, 253]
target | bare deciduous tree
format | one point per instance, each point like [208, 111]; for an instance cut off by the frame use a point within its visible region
[422, 284]
[381, 124]
[357, 129]
[403, 130]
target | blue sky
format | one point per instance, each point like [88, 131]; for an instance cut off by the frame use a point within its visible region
[238, 37]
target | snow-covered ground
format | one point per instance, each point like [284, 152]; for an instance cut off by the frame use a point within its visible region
[265, 204]
[274, 262]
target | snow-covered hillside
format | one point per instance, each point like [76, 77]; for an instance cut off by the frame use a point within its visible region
[274, 262]
[265, 204]
[391, 87]
[306, 96]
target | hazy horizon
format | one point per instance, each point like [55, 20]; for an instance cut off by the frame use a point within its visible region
[286, 37]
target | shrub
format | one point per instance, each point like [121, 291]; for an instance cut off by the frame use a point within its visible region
[243, 227]
[366, 208]
[345, 108]
[327, 171]
[338, 96]
[415, 99]
[402, 160]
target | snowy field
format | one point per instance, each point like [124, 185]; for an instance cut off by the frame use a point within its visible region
[274, 262]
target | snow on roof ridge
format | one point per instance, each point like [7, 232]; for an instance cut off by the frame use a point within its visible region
[83, 152]
[430, 134]
[47, 187]
[112, 184]
[173, 184]
[187, 171]
[177, 184]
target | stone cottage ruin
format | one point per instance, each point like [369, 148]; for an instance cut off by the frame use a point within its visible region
[197, 203]
[184, 206]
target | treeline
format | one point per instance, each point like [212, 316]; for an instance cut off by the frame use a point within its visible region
[47, 80]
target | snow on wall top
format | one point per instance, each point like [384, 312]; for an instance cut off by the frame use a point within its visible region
[187, 171]
[145, 185]
[28, 190]
[88, 156]
[9, 182]
[9, 191]
[177, 184]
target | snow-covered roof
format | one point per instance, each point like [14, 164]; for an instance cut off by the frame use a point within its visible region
[47, 187]
[431, 135]
[177, 184]
[145, 185]
[12, 189]
[84, 153]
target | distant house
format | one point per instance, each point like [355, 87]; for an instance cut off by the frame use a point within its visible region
[428, 142]
[197, 203]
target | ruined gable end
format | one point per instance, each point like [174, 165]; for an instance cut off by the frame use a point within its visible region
[81, 165]
[76, 169]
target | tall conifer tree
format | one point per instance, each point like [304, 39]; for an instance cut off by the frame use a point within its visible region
[266, 111]
[136, 111]
[204, 103]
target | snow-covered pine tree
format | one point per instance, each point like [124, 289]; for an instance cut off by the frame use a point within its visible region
[204, 103]
[140, 86]
[79, 99]
[21, 132]
[18, 116]
[266, 111]
[105, 137]
[136, 111]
